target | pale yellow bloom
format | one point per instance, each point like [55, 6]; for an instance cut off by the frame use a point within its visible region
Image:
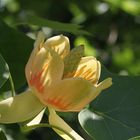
[61, 79]
[63, 91]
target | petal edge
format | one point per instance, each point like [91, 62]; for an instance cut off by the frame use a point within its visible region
[20, 108]
[55, 120]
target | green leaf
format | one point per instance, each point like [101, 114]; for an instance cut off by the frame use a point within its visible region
[132, 7]
[115, 114]
[72, 59]
[2, 135]
[4, 71]
[135, 138]
[129, 6]
[15, 47]
[66, 27]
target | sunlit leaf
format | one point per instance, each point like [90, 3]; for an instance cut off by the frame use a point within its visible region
[115, 114]
[135, 138]
[129, 6]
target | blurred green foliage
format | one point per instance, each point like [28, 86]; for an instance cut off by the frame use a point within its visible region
[114, 26]
[109, 29]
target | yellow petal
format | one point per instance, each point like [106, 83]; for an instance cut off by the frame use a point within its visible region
[68, 94]
[46, 69]
[37, 119]
[39, 40]
[89, 68]
[37, 46]
[96, 90]
[60, 44]
[20, 108]
[105, 84]
[73, 94]
[55, 120]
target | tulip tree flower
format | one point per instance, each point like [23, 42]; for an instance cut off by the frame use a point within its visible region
[59, 79]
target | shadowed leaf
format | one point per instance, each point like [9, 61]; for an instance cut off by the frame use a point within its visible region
[4, 71]
[15, 47]
[115, 114]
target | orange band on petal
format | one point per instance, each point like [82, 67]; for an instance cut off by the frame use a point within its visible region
[36, 81]
[57, 103]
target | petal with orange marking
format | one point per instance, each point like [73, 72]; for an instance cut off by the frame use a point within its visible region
[37, 46]
[67, 94]
[60, 44]
[89, 68]
[73, 94]
[47, 68]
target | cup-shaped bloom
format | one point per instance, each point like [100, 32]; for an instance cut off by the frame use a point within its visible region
[58, 78]
[61, 85]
